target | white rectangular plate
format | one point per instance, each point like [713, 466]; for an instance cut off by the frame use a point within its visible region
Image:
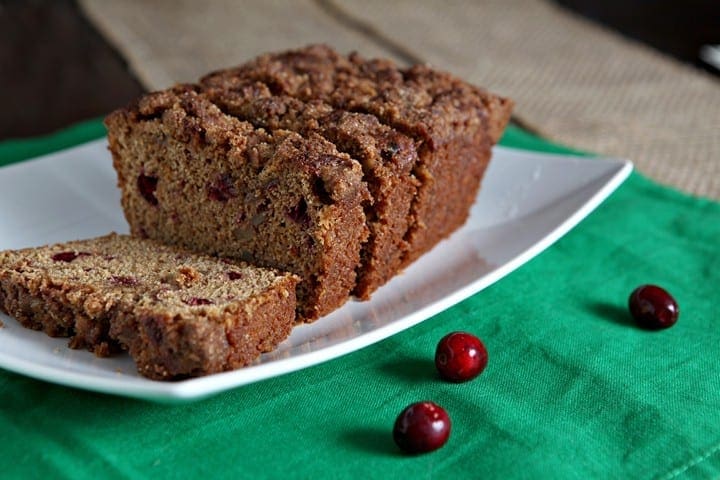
[528, 201]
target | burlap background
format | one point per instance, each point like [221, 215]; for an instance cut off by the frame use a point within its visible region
[573, 81]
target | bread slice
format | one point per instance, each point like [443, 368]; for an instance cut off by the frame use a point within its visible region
[178, 313]
[191, 175]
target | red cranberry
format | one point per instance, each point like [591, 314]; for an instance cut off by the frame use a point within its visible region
[320, 189]
[147, 186]
[299, 213]
[68, 256]
[460, 357]
[272, 185]
[223, 189]
[653, 307]
[421, 427]
[235, 275]
[195, 301]
[124, 280]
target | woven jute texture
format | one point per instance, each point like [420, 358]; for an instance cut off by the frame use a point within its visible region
[573, 81]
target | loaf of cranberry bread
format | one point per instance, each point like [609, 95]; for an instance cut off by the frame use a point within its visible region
[453, 123]
[415, 144]
[179, 314]
[191, 175]
[386, 156]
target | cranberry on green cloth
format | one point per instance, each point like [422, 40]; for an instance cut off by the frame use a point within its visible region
[653, 307]
[460, 356]
[421, 427]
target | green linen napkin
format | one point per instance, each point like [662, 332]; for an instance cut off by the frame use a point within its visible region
[572, 389]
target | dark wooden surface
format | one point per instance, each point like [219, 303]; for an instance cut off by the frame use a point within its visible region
[674, 27]
[56, 69]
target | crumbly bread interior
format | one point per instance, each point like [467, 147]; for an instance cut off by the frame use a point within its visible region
[180, 314]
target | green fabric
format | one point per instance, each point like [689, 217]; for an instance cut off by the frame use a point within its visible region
[572, 388]
[12, 151]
